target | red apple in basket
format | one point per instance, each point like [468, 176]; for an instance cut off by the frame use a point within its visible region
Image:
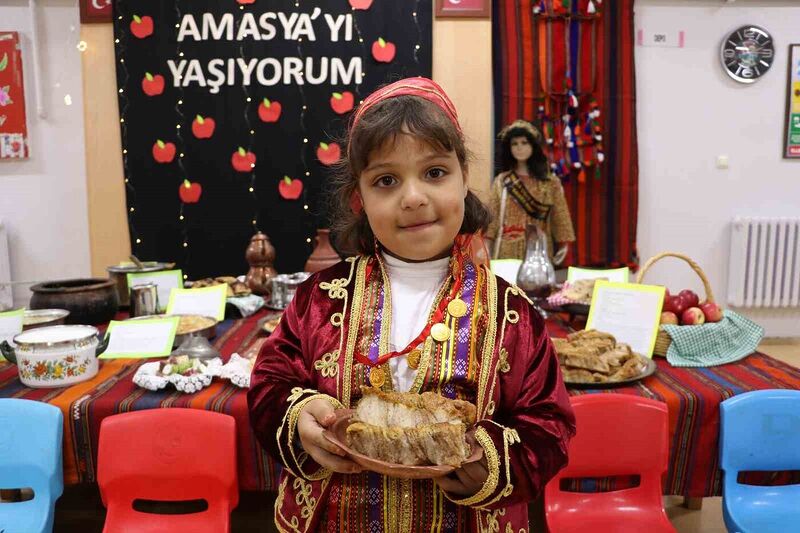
[190, 192]
[203, 127]
[152, 85]
[693, 317]
[341, 103]
[243, 161]
[383, 51]
[328, 154]
[668, 317]
[675, 304]
[269, 111]
[712, 311]
[690, 297]
[142, 27]
[163, 152]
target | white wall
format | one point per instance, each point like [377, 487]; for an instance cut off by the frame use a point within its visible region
[43, 199]
[689, 112]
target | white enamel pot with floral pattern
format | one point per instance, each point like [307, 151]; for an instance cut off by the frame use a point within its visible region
[55, 356]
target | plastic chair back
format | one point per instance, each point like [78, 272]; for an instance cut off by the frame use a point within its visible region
[760, 431]
[617, 435]
[30, 456]
[168, 455]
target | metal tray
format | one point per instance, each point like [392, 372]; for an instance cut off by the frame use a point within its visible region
[648, 371]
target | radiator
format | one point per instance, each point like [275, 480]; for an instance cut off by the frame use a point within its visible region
[764, 268]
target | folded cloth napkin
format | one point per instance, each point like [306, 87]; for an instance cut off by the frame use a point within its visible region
[711, 344]
[247, 305]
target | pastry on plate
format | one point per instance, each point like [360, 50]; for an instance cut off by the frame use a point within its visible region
[411, 429]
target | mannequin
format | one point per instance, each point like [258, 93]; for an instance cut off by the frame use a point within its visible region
[526, 193]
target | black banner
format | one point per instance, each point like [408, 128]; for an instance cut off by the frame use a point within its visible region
[232, 111]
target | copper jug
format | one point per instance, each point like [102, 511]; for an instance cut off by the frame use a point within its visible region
[324, 255]
[260, 256]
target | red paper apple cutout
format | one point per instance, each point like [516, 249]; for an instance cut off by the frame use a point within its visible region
[152, 85]
[290, 189]
[190, 192]
[668, 317]
[328, 154]
[360, 4]
[383, 51]
[269, 111]
[693, 317]
[712, 312]
[163, 152]
[243, 161]
[342, 103]
[142, 27]
[203, 127]
[690, 297]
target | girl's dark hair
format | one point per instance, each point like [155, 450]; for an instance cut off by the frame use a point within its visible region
[380, 124]
[537, 164]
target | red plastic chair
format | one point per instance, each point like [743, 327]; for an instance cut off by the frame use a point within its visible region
[617, 435]
[168, 455]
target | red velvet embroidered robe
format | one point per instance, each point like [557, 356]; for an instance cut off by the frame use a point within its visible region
[510, 371]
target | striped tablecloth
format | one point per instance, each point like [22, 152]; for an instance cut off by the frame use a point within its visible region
[112, 391]
[691, 394]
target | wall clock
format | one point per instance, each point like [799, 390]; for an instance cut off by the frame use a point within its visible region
[747, 53]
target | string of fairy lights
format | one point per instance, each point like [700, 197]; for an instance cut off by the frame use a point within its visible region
[181, 147]
[363, 52]
[418, 44]
[304, 133]
[251, 185]
[121, 42]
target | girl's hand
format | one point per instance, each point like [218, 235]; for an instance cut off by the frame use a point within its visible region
[316, 416]
[467, 480]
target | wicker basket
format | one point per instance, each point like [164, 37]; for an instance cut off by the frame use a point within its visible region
[663, 339]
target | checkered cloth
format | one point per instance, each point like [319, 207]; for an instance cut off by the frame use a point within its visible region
[247, 305]
[712, 344]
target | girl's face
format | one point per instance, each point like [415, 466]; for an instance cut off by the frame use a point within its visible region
[521, 149]
[413, 197]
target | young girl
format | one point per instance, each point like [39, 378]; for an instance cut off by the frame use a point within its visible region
[410, 312]
[526, 193]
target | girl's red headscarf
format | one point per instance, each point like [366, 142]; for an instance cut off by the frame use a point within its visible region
[419, 86]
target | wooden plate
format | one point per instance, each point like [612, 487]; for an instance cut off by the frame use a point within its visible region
[337, 435]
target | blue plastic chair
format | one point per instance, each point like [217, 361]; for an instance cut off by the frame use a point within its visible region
[760, 431]
[30, 456]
